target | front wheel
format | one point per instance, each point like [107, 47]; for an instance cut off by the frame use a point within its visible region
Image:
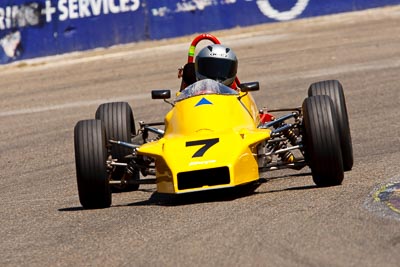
[334, 89]
[119, 123]
[321, 141]
[91, 164]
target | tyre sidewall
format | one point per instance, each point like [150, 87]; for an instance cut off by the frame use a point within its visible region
[90, 160]
[334, 89]
[321, 141]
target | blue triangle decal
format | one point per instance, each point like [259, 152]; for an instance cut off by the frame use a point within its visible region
[203, 101]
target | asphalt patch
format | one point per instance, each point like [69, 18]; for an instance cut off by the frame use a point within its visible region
[386, 199]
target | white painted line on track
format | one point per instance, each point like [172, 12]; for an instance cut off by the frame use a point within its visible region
[74, 58]
[331, 71]
[368, 66]
[340, 69]
[73, 105]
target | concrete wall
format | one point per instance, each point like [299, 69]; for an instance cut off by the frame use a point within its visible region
[35, 28]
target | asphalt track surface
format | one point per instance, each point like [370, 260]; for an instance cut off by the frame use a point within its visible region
[287, 221]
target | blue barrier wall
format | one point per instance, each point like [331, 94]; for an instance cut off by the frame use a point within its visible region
[35, 28]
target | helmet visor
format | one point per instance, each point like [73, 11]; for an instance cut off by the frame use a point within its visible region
[219, 69]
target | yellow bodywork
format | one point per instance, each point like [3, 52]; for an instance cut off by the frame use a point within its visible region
[206, 133]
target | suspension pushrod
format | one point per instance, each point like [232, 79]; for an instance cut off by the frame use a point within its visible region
[155, 130]
[279, 151]
[151, 123]
[281, 129]
[279, 120]
[125, 144]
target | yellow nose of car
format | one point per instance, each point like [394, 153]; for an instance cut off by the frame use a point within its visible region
[210, 142]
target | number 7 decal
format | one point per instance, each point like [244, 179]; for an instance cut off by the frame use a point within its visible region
[207, 143]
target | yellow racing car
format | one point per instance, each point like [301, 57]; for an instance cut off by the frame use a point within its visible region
[213, 137]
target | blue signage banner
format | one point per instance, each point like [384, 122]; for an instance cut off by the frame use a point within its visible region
[36, 28]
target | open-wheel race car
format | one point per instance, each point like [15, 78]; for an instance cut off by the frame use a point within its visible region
[213, 137]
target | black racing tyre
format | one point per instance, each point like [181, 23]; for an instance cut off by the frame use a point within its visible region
[91, 164]
[334, 89]
[119, 123]
[120, 126]
[321, 141]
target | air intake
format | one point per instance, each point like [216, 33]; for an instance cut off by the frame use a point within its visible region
[200, 178]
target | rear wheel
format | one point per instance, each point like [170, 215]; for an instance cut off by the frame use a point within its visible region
[321, 141]
[334, 89]
[120, 126]
[91, 164]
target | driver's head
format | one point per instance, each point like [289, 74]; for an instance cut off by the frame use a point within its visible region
[216, 62]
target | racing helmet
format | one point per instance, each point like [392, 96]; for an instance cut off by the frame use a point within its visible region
[216, 62]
